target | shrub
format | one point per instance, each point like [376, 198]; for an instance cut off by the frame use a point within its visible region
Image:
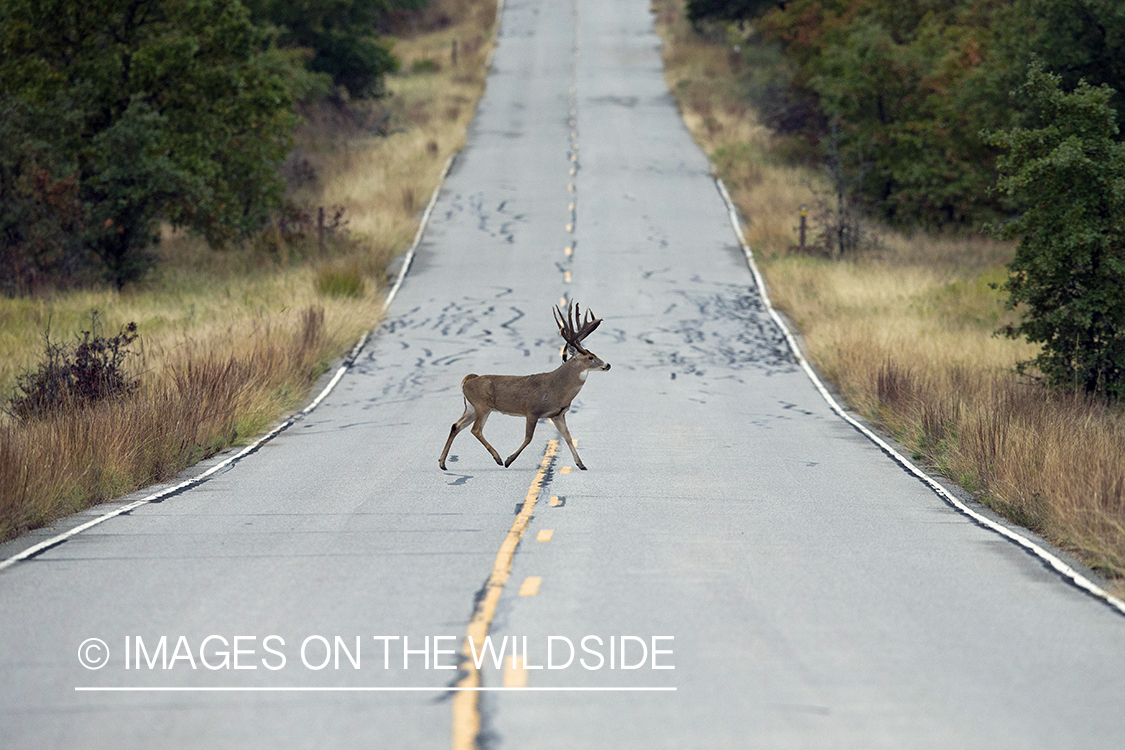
[91, 370]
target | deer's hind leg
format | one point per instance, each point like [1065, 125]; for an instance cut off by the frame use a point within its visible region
[478, 432]
[469, 415]
[529, 433]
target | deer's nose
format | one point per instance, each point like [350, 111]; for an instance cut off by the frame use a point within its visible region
[606, 366]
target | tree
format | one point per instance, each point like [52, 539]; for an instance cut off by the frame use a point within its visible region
[1080, 40]
[341, 36]
[728, 10]
[177, 110]
[41, 216]
[1066, 173]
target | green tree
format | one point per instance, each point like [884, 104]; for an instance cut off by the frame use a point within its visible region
[1078, 40]
[41, 217]
[179, 110]
[342, 36]
[727, 10]
[1066, 172]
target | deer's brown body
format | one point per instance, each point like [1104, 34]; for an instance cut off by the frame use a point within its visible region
[545, 395]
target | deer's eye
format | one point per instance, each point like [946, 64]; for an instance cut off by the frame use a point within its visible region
[591, 358]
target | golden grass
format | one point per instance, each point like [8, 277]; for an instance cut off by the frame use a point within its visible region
[905, 331]
[231, 340]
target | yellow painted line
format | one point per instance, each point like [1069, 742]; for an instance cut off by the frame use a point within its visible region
[574, 157]
[570, 187]
[554, 501]
[566, 276]
[570, 207]
[565, 470]
[572, 172]
[466, 703]
[545, 535]
[568, 250]
[575, 146]
[562, 302]
[573, 133]
[570, 227]
[515, 672]
[530, 586]
[573, 113]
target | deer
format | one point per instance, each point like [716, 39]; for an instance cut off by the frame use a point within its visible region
[545, 395]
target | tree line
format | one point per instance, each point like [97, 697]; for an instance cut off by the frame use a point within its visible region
[975, 114]
[119, 115]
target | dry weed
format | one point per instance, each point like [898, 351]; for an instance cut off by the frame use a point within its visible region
[905, 331]
[231, 340]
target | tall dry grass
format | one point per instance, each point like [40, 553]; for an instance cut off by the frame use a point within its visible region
[203, 402]
[905, 329]
[231, 340]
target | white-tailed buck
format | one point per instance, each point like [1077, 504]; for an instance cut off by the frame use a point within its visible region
[546, 395]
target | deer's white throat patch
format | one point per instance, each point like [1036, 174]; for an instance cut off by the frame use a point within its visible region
[582, 375]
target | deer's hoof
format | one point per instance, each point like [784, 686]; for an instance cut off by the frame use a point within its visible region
[501, 463]
[580, 466]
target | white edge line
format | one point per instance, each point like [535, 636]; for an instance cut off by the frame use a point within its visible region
[1051, 560]
[58, 539]
[285, 689]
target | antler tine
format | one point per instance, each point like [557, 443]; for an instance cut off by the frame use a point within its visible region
[557, 312]
[569, 329]
[588, 325]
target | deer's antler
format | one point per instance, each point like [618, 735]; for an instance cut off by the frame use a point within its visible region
[569, 329]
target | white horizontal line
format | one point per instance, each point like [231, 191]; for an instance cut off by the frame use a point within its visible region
[292, 689]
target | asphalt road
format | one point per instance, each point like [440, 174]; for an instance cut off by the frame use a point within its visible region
[814, 593]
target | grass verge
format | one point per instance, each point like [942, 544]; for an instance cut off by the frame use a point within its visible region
[232, 340]
[904, 329]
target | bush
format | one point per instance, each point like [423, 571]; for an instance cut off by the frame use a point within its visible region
[91, 370]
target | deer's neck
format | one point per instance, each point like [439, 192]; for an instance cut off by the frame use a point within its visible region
[571, 373]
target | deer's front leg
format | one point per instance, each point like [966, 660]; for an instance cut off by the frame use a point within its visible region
[528, 434]
[560, 422]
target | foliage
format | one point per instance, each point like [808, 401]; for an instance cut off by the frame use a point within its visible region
[912, 85]
[73, 376]
[175, 110]
[1079, 40]
[1066, 171]
[727, 10]
[341, 36]
[40, 213]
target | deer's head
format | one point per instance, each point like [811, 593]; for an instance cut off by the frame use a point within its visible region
[573, 334]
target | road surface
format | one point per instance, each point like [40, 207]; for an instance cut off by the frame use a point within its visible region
[766, 574]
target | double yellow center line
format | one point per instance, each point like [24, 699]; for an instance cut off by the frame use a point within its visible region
[466, 702]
